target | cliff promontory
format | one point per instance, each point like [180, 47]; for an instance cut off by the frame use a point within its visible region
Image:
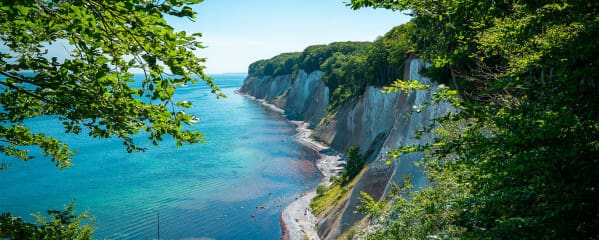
[374, 121]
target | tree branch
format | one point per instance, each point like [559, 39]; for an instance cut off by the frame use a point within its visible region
[20, 79]
[41, 98]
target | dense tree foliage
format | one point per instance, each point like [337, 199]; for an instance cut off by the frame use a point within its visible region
[309, 60]
[92, 90]
[520, 160]
[281, 64]
[63, 224]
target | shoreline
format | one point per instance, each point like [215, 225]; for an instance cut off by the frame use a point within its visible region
[297, 221]
[297, 216]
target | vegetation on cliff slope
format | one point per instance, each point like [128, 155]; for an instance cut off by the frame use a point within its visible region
[327, 199]
[520, 160]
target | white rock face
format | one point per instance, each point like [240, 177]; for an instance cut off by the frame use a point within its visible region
[376, 122]
[304, 97]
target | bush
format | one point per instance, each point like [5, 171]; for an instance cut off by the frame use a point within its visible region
[321, 190]
[333, 179]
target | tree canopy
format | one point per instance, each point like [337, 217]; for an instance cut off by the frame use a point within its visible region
[520, 159]
[93, 90]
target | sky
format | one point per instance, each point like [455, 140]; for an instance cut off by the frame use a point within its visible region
[239, 32]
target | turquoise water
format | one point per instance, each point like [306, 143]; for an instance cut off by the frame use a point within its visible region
[200, 191]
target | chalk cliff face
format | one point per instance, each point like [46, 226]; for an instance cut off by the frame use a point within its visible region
[376, 122]
[304, 97]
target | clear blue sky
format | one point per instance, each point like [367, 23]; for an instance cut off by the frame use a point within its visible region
[239, 32]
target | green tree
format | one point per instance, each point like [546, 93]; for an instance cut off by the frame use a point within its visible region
[519, 161]
[62, 224]
[92, 89]
[355, 163]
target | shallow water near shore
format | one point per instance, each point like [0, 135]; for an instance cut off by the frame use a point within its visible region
[233, 187]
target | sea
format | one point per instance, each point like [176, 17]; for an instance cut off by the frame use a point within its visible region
[234, 186]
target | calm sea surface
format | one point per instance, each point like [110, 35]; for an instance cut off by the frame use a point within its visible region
[200, 191]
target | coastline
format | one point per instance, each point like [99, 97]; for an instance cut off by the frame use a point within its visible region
[297, 220]
[297, 216]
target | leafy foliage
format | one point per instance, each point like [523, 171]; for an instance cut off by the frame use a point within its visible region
[92, 90]
[416, 215]
[314, 56]
[355, 164]
[320, 189]
[519, 161]
[60, 225]
[405, 86]
[282, 64]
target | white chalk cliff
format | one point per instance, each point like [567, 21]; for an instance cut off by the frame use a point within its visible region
[376, 122]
